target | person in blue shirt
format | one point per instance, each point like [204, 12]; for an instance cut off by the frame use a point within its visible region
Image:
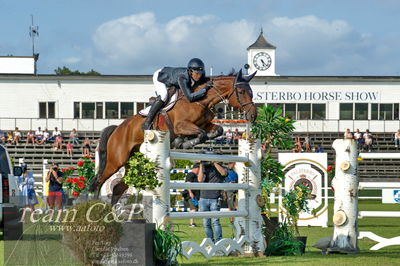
[231, 195]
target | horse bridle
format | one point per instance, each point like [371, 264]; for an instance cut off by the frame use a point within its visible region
[226, 100]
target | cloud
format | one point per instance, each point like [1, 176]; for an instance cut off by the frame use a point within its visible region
[307, 45]
[138, 42]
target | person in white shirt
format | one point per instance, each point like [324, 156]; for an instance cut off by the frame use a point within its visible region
[17, 136]
[39, 136]
[397, 138]
[56, 133]
[229, 137]
[368, 140]
[358, 136]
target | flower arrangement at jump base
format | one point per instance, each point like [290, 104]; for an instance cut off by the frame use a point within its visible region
[85, 168]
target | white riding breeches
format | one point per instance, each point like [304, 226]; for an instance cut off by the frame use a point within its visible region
[161, 89]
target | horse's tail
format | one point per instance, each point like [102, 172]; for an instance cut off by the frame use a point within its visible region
[105, 135]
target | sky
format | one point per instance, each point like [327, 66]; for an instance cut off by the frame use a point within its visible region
[135, 37]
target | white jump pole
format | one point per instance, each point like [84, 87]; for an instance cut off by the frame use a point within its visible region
[346, 183]
[156, 147]
[250, 173]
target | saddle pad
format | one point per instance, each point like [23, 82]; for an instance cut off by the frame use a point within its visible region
[167, 107]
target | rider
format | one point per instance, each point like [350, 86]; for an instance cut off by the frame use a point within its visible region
[185, 78]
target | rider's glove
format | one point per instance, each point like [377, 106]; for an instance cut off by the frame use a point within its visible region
[209, 85]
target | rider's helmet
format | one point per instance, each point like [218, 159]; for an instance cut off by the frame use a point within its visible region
[196, 65]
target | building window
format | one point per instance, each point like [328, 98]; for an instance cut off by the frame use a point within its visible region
[140, 106]
[126, 110]
[290, 110]
[386, 111]
[88, 110]
[304, 111]
[277, 105]
[47, 110]
[99, 110]
[318, 111]
[112, 110]
[346, 111]
[374, 111]
[396, 111]
[361, 111]
[77, 109]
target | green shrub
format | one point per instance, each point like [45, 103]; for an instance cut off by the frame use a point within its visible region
[283, 242]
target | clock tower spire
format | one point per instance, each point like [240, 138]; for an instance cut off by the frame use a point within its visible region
[261, 57]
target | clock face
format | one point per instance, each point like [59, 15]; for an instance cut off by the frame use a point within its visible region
[262, 61]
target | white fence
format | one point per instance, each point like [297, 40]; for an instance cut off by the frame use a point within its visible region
[248, 216]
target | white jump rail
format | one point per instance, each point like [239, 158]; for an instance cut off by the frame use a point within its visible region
[382, 242]
[248, 220]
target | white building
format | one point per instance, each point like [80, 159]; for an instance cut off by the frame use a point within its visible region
[318, 103]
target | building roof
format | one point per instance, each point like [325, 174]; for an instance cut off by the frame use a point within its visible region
[261, 43]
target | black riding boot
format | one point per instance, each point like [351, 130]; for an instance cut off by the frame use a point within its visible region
[155, 107]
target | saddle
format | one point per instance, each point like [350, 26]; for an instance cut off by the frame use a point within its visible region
[173, 94]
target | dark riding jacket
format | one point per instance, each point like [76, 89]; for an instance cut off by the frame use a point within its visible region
[180, 78]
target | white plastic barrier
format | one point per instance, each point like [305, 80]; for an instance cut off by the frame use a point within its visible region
[248, 220]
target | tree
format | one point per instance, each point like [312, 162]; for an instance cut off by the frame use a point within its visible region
[66, 71]
[274, 130]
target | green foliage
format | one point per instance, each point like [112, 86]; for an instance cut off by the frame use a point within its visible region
[91, 245]
[180, 164]
[272, 176]
[66, 71]
[272, 128]
[167, 245]
[283, 242]
[141, 173]
[275, 131]
[294, 202]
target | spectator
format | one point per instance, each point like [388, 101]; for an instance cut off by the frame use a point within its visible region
[397, 138]
[297, 145]
[210, 199]
[86, 147]
[193, 195]
[30, 137]
[69, 149]
[229, 137]
[56, 133]
[28, 194]
[319, 149]
[307, 143]
[73, 137]
[245, 134]
[358, 136]
[17, 136]
[46, 135]
[231, 195]
[57, 143]
[219, 140]
[236, 136]
[368, 140]
[10, 137]
[39, 136]
[347, 134]
[2, 137]
[54, 198]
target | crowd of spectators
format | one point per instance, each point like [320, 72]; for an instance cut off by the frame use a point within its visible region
[364, 140]
[41, 137]
[232, 137]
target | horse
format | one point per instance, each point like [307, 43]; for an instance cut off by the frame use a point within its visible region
[190, 124]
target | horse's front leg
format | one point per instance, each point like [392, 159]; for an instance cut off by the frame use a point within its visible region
[186, 128]
[213, 131]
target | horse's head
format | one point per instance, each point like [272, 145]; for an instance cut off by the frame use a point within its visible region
[242, 96]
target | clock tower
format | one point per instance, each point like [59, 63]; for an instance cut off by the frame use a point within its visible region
[261, 57]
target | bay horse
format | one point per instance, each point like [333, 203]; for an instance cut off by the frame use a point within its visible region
[190, 123]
